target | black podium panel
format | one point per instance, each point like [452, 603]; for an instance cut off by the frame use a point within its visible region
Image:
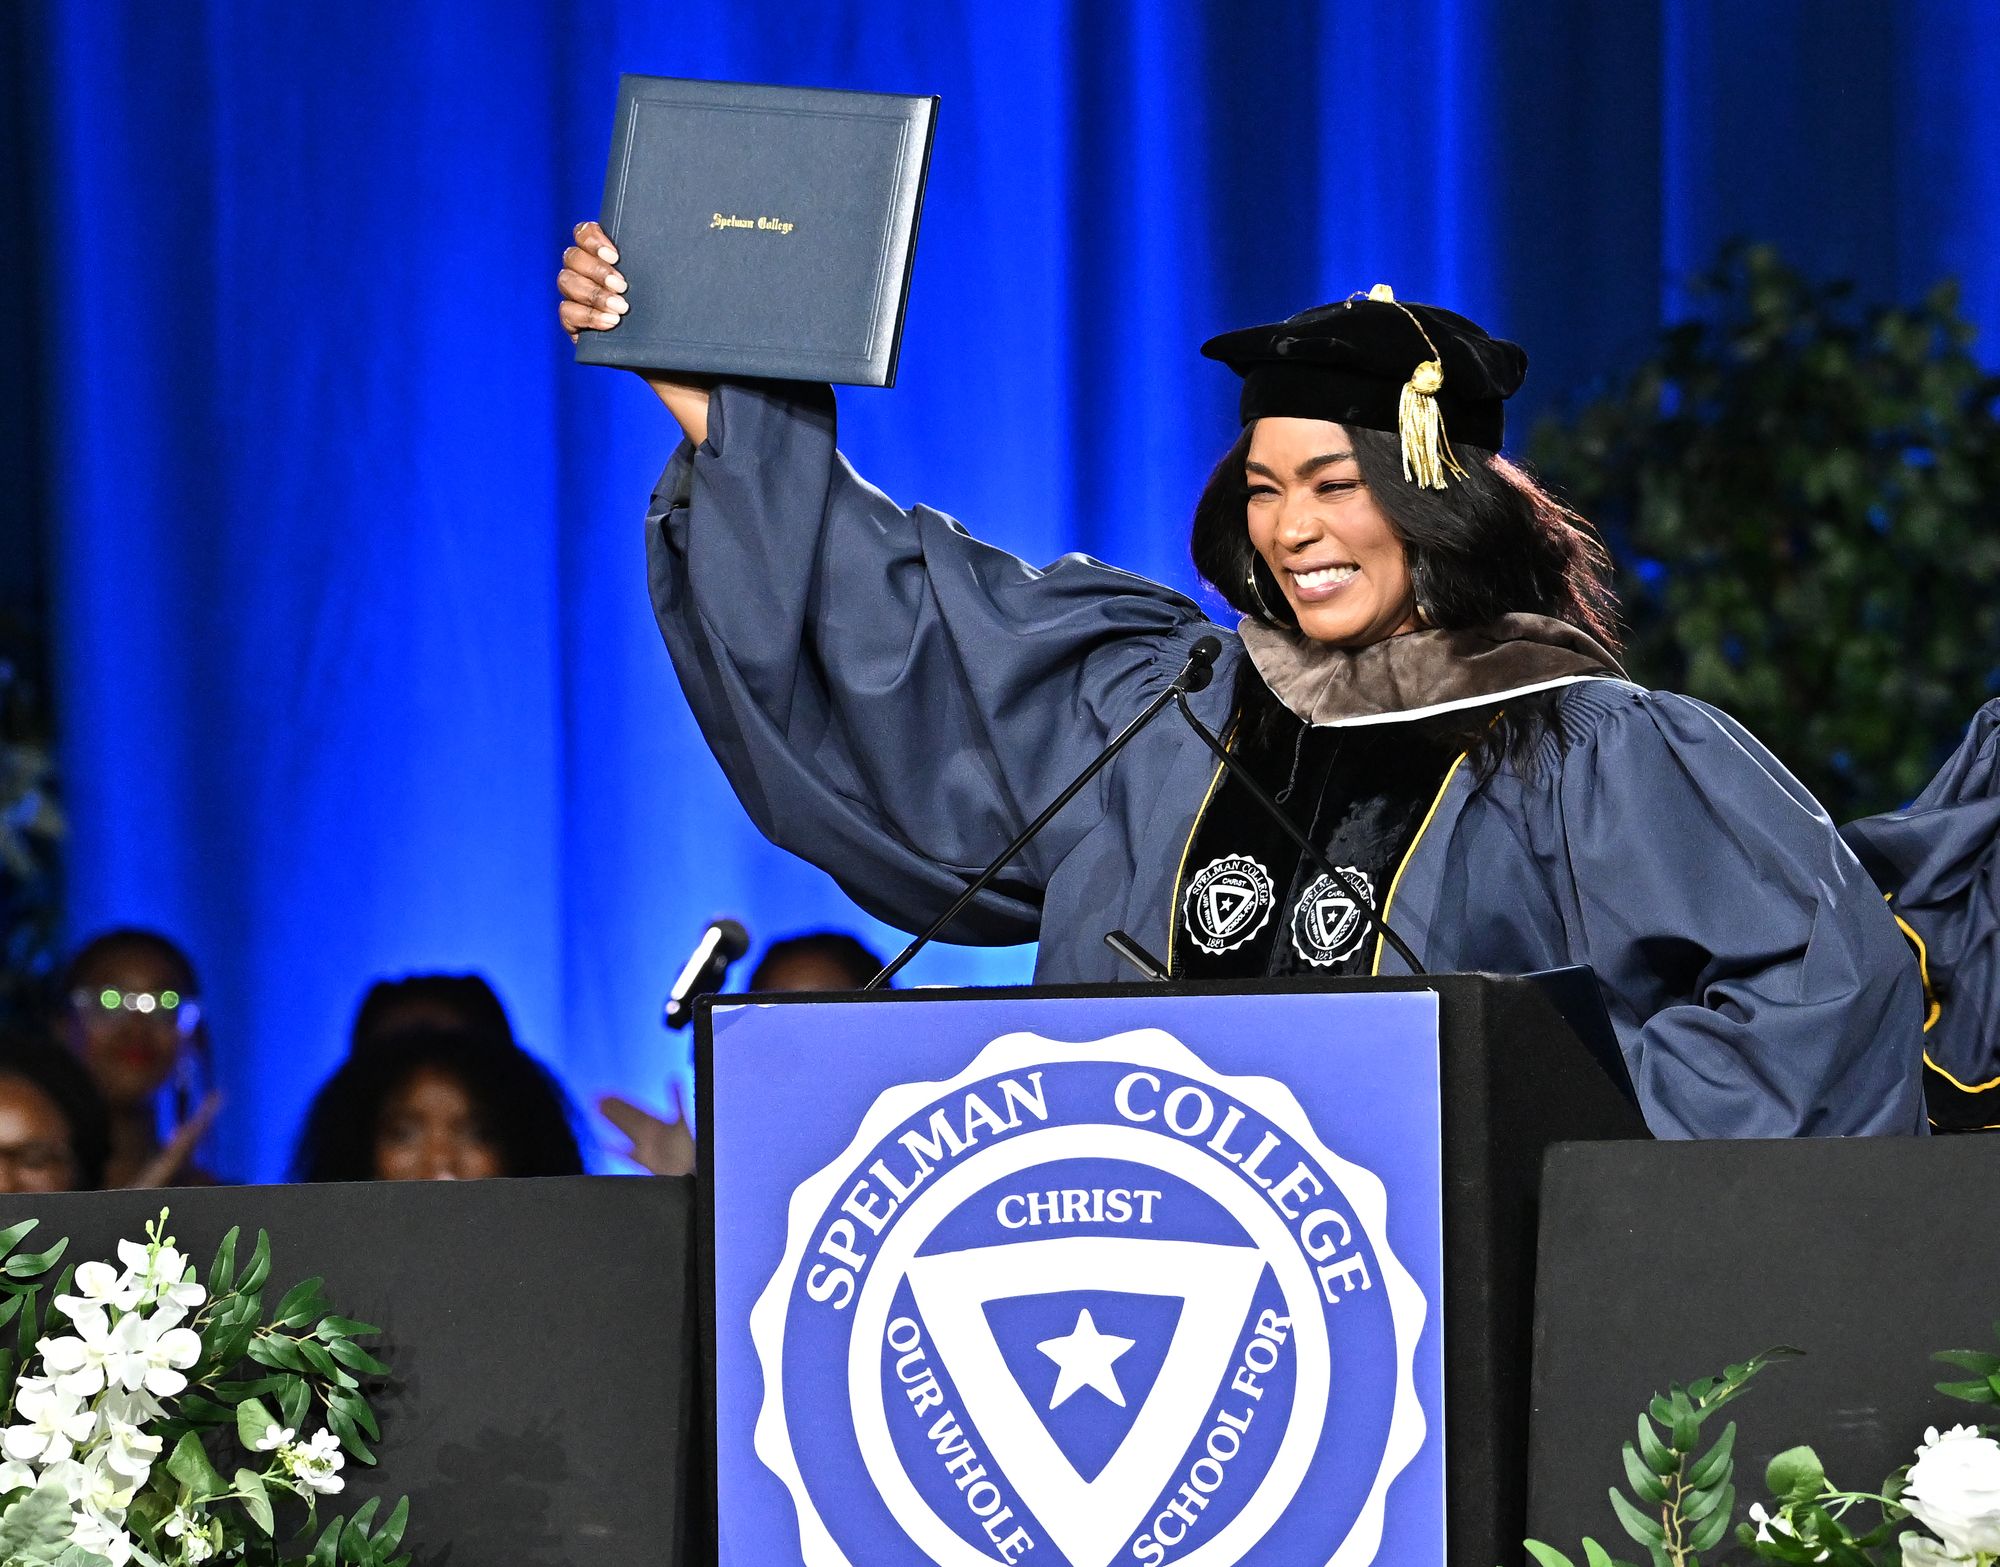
[1514, 1082]
[1664, 1262]
[541, 1405]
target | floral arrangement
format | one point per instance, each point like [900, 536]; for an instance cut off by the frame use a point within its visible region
[143, 1384]
[1683, 1496]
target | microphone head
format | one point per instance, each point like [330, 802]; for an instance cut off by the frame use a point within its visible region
[731, 939]
[1201, 664]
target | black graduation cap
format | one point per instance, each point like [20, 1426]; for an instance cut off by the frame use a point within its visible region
[1429, 374]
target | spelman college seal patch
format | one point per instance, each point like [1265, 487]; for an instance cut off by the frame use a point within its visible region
[1085, 1304]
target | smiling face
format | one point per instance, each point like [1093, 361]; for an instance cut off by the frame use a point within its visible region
[1343, 569]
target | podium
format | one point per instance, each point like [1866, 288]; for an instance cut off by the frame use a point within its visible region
[1664, 1263]
[540, 1402]
[1118, 1273]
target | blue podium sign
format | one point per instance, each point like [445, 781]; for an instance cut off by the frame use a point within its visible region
[1143, 1279]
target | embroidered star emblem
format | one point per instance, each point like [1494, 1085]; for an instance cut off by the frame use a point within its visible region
[1083, 1357]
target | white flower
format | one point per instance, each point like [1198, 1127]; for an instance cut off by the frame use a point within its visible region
[162, 1275]
[161, 1351]
[14, 1475]
[189, 1530]
[274, 1437]
[1770, 1523]
[1920, 1550]
[101, 1285]
[1954, 1490]
[316, 1463]
[140, 1352]
[136, 1408]
[79, 1360]
[91, 1486]
[71, 1476]
[57, 1421]
[128, 1451]
[101, 1537]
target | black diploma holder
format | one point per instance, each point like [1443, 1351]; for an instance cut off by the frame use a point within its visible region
[762, 231]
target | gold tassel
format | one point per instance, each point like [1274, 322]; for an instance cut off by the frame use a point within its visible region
[1427, 454]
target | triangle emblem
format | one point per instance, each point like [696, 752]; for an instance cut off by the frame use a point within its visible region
[1225, 907]
[1089, 1521]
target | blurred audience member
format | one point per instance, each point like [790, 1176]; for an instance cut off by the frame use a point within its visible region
[455, 1001]
[815, 960]
[812, 960]
[54, 1132]
[132, 1013]
[437, 1104]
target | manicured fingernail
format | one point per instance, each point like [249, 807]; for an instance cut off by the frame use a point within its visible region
[620, 305]
[606, 318]
[606, 253]
[615, 281]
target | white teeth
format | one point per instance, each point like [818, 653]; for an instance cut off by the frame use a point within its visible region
[1325, 577]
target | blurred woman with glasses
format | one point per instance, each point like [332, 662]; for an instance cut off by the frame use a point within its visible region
[131, 1012]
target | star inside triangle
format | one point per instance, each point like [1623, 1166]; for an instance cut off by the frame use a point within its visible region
[1225, 906]
[1331, 917]
[1083, 1359]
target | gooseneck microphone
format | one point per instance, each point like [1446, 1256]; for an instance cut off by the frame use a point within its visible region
[1194, 675]
[721, 944]
[1311, 850]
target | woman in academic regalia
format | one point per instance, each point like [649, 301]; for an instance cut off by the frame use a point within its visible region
[1424, 675]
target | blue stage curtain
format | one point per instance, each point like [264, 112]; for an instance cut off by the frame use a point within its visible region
[357, 673]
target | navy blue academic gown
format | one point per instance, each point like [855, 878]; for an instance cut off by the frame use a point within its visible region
[1940, 858]
[893, 700]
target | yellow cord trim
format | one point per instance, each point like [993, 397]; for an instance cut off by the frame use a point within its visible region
[1180, 876]
[1963, 1088]
[1396, 881]
[1934, 1006]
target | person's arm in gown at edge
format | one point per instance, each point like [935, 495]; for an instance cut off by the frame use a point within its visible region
[891, 698]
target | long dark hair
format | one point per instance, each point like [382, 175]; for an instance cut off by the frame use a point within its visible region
[1493, 543]
[522, 1109]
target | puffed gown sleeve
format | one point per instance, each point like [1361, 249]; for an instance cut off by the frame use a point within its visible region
[890, 698]
[1939, 860]
[1758, 984]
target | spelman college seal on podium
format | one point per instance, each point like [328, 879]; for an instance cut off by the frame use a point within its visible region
[1086, 1304]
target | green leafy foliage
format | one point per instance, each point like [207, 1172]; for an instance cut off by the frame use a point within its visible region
[1797, 495]
[1683, 1490]
[1683, 1495]
[34, 1528]
[1983, 1387]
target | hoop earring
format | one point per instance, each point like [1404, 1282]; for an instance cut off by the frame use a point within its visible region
[1256, 593]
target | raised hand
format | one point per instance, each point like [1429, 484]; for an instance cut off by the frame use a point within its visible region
[593, 300]
[592, 289]
[663, 1145]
